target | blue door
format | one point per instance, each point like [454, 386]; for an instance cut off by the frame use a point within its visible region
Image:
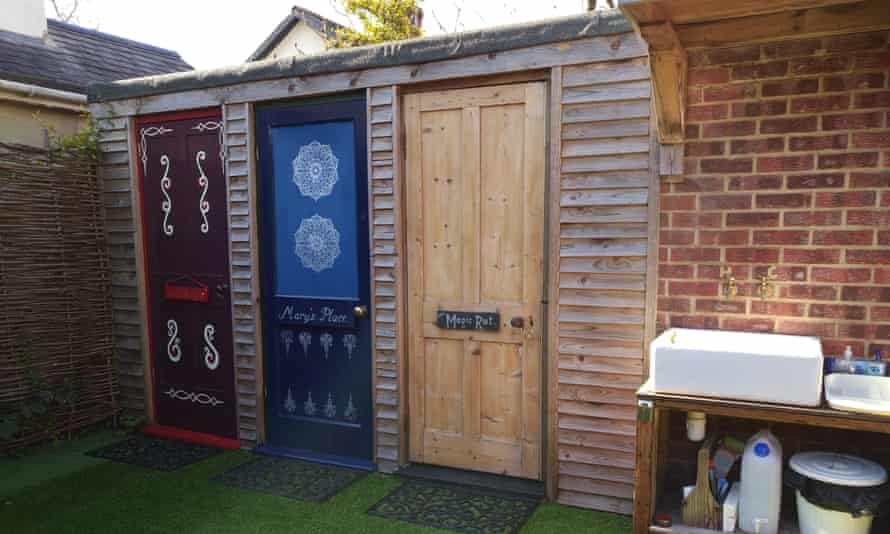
[315, 280]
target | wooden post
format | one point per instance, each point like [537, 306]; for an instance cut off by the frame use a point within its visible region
[644, 487]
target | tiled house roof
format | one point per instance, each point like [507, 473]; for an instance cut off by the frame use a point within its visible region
[71, 57]
[321, 25]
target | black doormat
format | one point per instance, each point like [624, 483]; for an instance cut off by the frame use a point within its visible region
[457, 508]
[155, 453]
[294, 479]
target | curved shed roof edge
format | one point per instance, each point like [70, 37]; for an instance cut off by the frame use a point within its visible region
[414, 51]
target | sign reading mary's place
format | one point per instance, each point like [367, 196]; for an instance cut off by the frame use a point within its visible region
[461, 320]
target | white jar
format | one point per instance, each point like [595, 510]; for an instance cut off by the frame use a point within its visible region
[696, 425]
[761, 493]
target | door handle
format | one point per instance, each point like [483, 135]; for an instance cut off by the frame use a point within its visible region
[528, 327]
[517, 322]
[360, 311]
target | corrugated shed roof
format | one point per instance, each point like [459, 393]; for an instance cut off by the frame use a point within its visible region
[71, 57]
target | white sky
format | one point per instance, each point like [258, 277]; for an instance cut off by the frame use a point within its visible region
[216, 33]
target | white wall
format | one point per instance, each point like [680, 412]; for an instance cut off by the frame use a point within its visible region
[300, 41]
[23, 16]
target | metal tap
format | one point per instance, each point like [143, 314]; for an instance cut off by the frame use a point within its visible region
[730, 288]
[765, 288]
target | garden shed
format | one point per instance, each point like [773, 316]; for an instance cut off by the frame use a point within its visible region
[436, 251]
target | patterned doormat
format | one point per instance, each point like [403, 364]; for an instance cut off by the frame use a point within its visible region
[294, 479]
[457, 508]
[154, 453]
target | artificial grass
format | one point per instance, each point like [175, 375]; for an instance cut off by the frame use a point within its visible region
[119, 498]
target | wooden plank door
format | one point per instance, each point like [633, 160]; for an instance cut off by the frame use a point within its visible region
[475, 206]
[186, 239]
[316, 279]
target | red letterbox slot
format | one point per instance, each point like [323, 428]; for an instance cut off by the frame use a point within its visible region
[186, 293]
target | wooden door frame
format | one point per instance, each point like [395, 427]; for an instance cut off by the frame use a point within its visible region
[551, 78]
[143, 289]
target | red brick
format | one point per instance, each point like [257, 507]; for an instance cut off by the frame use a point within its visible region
[674, 304]
[879, 99]
[845, 199]
[806, 256]
[819, 104]
[713, 148]
[748, 146]
[818, 142]
[885, 199]
[871, 139]
[752, 255]
[725, 166]
[729, 129]
[791, 87]
[844, 237]
[752, 219]
[816, 181]
[882, 276]
[801, 328]
[884, 238]
[701, 184]
[719, 306]
[865, 294]
[677, 202]
[856, 41]
[696, 220]
[662, 254]
[880, 313]
[748, 325]
[812, 218]
[695, 254]
[882, 331]
[725, 202]
[783, 200]
[837, 311]
[691, 131]
[803, 291]
[797, 124]
[754, 182]
[707, 76]
[782, 273]
[788, 309]
[707, 112]
[827, 274]
[873, 60]
[848, 160]
[735, 54]
[781, 237]
[875, 257]
[723, 93]
[868, 218]
[759, 109]
[713, 272]
[795, 48]
[855, 330]
[694, 321]
[785, 163]
[862, 80]
[818, 65]
[723, 237]
[701, 289]
[852, 121]
[667, 270]
[756, 71]
[676, 237]
[870, 179]
[690, 166]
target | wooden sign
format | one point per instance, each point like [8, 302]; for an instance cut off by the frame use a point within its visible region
[461, 320]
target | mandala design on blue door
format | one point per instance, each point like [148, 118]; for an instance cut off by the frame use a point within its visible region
[317, 243]
[315, 170]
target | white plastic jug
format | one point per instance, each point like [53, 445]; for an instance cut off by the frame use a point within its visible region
[761, 493]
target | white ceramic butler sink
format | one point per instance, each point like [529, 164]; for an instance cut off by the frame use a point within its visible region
[858, 393]
[737, 365]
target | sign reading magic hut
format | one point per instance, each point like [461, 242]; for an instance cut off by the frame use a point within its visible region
[459, 320]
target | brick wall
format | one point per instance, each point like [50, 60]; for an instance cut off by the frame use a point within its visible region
[787, 164]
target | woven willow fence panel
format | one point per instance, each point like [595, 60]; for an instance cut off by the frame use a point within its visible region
[56, 371]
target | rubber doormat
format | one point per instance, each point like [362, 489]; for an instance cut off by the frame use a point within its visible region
[154, 453]
[294, 479]
[457, 508]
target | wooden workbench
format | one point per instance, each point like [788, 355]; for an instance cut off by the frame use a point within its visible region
[651, 453]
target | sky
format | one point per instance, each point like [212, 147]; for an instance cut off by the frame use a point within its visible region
[217, 33]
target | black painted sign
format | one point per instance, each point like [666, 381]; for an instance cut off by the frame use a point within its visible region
[461, 320]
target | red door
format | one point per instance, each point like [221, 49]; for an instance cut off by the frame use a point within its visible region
[185, 229]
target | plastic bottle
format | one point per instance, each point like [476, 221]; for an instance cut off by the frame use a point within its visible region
[761, 486]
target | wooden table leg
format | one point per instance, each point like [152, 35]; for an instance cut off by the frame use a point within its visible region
[644, 476]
